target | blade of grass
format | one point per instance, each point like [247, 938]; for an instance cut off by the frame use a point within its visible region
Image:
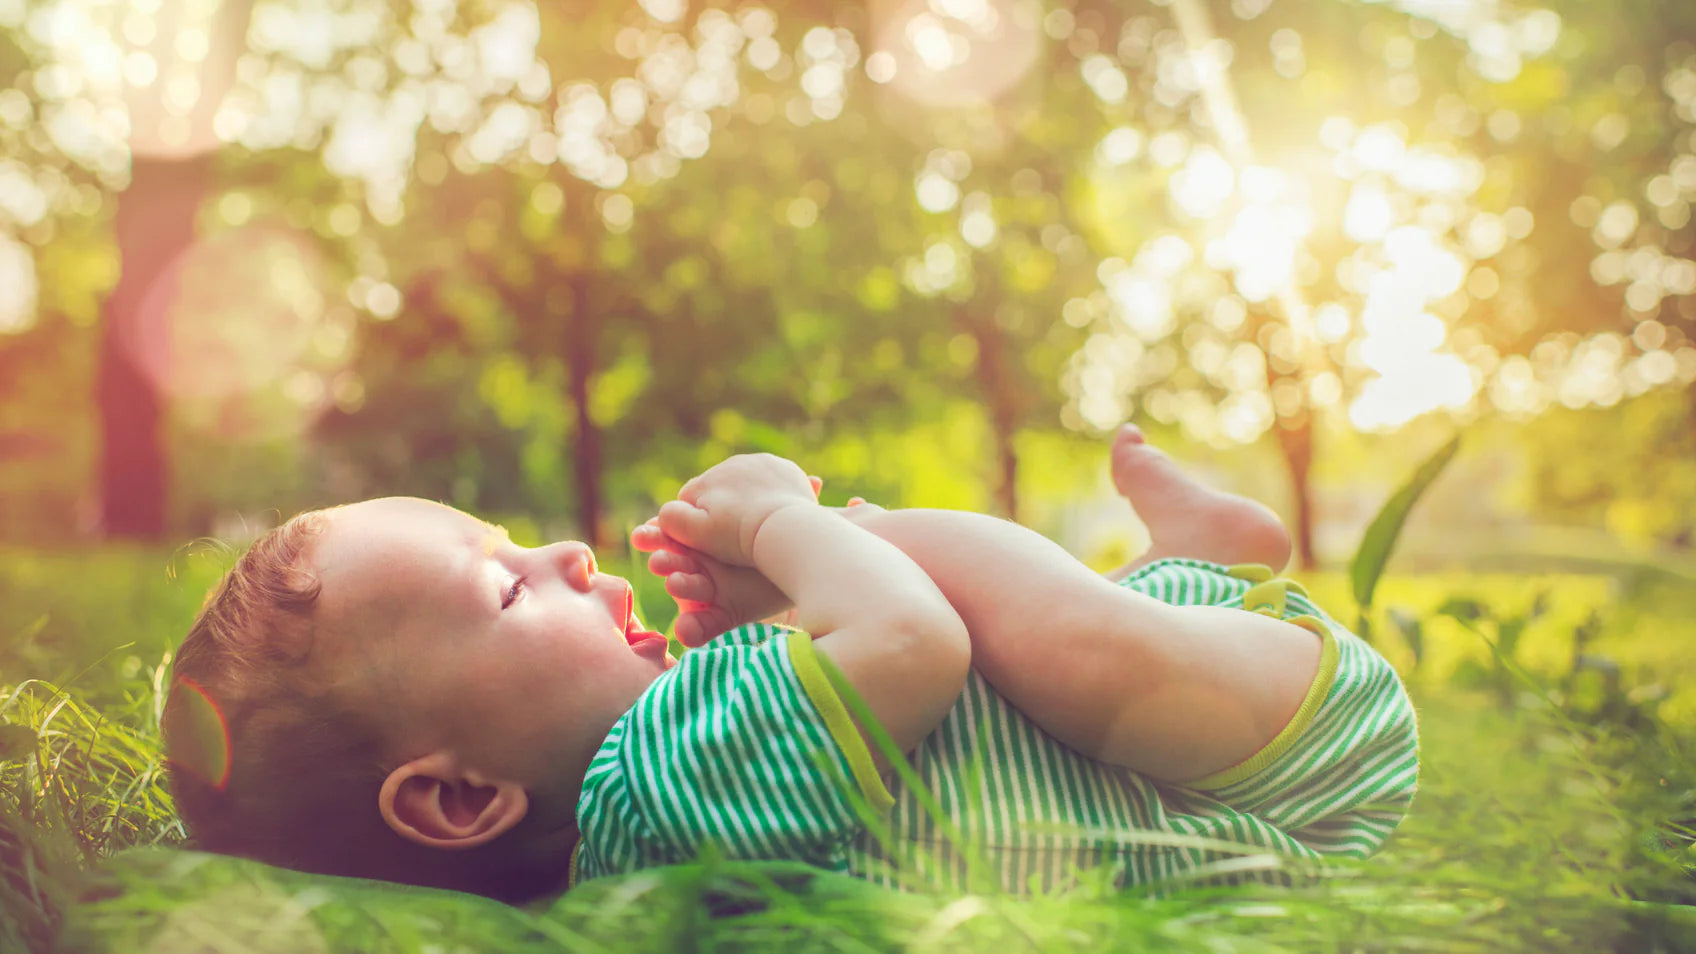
[1380, 537]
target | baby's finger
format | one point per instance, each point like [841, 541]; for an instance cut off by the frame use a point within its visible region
[818, 484]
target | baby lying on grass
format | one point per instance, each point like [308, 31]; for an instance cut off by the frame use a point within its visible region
[407, 695]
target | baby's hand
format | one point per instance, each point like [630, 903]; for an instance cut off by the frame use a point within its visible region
[712, 596]
[721, 511]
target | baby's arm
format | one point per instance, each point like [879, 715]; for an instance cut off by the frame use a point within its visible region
[870, 608]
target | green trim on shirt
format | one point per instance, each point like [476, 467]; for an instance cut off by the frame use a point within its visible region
[1303, 717]
[825, 699]
[1252, 572]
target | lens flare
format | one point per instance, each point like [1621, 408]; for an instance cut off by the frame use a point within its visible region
[953, 53]
[196, 734]
[240, 333]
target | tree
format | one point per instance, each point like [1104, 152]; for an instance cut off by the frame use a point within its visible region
[1358, 233]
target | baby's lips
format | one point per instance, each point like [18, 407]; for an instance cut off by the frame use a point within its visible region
[633, 631]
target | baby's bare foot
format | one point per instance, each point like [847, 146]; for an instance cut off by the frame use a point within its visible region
[1186, 519]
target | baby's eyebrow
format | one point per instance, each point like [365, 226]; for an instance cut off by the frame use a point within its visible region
[496, 536]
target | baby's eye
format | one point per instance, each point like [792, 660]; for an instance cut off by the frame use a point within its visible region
[512, 593]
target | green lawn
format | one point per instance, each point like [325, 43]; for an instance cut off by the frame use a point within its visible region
[1557, 787]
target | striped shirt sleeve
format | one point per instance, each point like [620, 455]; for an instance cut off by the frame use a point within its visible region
[743, 745]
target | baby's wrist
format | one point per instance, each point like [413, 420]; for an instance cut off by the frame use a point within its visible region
[771, 520]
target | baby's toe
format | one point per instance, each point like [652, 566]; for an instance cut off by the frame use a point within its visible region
[688, 630]
[695, 627]
[667, 562]
[693, 587]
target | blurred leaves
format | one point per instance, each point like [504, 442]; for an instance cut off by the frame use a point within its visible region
[17, 742]
[660, 218]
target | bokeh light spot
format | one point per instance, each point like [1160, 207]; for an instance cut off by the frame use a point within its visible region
[17, 286]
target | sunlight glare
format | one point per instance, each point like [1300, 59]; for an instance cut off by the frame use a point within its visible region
[1244, 416]
[1119, 146]
[1378, 147]
[17, 286]
[1418, 383]
[1201, 187]
[1368, 215]
[1331, 322]
[506, 46]
[1431, 271]
[932, 42]
[977, 220]
[951, 52]
[1144, 304]
[21, 200]
[373, 139]
[1260, 248]
[1105, 78]
[665, 11]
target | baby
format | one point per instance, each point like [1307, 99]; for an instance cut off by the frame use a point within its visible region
[392, 689]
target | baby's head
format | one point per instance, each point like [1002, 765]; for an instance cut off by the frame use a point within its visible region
[406, 695]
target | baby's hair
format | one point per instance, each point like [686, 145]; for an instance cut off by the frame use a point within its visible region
[299, 785]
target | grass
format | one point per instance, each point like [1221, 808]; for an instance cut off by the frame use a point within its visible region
[1557, 802]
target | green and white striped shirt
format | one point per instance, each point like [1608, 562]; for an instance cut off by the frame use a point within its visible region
[746, 744]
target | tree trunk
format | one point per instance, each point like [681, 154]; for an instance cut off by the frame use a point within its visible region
[582, 345]
[1295, 439]
[994, 381]
[154, 224]
[1294, 434]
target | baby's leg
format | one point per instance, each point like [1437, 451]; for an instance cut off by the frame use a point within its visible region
[1173, 692]
[1185, 518]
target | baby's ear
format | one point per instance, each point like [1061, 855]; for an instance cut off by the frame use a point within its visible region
[433, 801]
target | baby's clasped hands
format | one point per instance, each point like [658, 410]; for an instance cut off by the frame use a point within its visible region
[720, 512]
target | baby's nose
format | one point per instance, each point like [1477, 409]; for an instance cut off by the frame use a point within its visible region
[577, 562]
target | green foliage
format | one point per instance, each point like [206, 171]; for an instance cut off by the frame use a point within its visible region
[93, 775]
[1566, 685]
[76, 785]
[502, 340]
[94, 619]
[448, 334]
[1630, 469]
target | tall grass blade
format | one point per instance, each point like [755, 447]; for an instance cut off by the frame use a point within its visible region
[1381, 534]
